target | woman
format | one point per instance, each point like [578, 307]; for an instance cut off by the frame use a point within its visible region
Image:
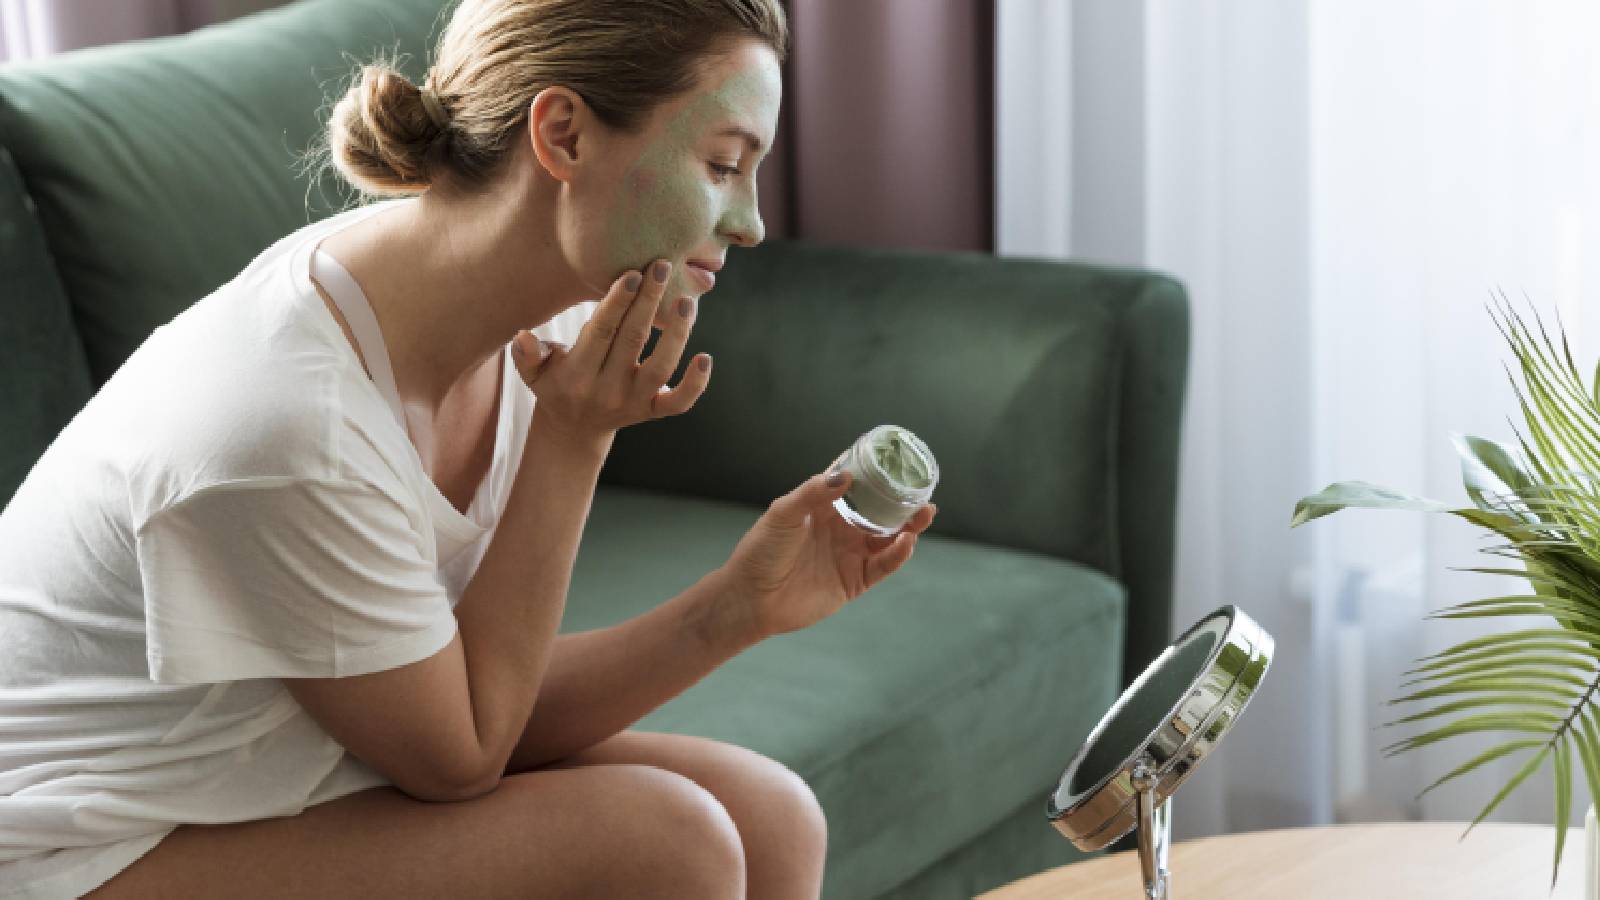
[279, 606]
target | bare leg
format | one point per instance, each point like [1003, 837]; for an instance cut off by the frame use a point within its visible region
[598, 831]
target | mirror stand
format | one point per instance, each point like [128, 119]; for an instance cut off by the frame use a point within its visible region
[1155, 830]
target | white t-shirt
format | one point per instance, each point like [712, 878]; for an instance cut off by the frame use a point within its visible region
[236, 505]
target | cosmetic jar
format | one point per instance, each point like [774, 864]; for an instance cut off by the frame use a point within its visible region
[892, 474]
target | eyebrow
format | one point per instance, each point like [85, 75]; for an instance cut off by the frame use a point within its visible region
[749, 137]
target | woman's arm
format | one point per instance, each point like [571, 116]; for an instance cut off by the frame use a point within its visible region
[510, 610]
[601, 682]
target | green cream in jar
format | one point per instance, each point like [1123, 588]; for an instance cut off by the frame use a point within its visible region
[892, 474]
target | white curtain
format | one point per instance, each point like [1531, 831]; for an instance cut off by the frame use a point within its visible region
[1341, 185]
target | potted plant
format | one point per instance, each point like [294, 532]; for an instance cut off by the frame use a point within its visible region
[1534, 685]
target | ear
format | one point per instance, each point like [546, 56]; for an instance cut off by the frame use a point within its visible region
[555, 118]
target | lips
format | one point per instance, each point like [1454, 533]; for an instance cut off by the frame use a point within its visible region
[706, 276]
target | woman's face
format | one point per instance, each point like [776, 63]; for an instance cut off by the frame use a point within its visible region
[668, 199]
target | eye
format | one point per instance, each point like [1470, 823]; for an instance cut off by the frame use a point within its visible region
[723, 171]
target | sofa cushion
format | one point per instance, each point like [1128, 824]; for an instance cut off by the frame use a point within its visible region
[43, 374]
[162, 167]
[922, 713]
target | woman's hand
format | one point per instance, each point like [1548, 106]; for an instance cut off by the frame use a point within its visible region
[598, 386]
[801, 562]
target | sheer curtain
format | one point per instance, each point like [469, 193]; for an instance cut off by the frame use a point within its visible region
[1453, 160]
[1341, 186]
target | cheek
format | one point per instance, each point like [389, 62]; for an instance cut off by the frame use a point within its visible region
[680, 211]
[627, 243]
[662, 215]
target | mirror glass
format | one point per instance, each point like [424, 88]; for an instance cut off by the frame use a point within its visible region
[1146, 707]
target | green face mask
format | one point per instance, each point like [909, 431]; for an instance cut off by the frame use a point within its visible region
[671, 203]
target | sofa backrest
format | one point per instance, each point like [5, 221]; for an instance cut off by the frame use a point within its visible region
[44, 376]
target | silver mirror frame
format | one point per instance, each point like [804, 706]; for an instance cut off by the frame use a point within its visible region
[1137, 792]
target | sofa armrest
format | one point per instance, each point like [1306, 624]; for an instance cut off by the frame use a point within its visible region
[43, 373]
[1049, 391]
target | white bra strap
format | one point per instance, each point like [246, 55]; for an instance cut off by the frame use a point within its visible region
[352, 302]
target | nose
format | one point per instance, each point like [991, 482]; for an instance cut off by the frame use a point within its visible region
[744, 227]
[746, 237]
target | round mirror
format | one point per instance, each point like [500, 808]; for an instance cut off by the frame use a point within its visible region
[1172, 715]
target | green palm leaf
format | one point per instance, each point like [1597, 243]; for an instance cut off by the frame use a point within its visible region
[1497, 668]
[1563, 801]
[1517, 700]
[1542, 498]
[1520, 777]
[1520, 722]
[1489, 755]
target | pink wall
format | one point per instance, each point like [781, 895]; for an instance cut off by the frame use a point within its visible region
[887, 135]
[35, 28]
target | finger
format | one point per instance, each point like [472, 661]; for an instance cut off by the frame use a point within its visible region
[674, 401]
[526, 345]
[918, 523]
[663, 360]
[556, 353]
[812, 494]
[882, 565]
[838, 464]
[634, 333]
[528, 354]
[877, 543]
[595, 338]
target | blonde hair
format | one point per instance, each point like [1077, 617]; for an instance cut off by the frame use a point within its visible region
[623, 57]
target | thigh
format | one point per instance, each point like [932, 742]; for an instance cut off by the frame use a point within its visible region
[598, 831]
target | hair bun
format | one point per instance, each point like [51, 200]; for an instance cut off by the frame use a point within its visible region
[431, 105]
[382, 134]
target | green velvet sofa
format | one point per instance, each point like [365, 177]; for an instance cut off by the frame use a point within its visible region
[933, 715]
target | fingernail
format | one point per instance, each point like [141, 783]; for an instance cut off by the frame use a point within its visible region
[705, 363]
[685, 307]
[660, 270]
[632, 282]
[836, 479]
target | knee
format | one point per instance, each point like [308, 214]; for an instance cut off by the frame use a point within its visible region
[693, 835]
[774, 802]
[805, 833]
[785, 833]
[807, 824]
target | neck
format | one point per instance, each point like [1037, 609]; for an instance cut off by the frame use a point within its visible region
[452, 279]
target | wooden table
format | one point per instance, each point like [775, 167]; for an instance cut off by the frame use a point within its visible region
[1337, 862]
